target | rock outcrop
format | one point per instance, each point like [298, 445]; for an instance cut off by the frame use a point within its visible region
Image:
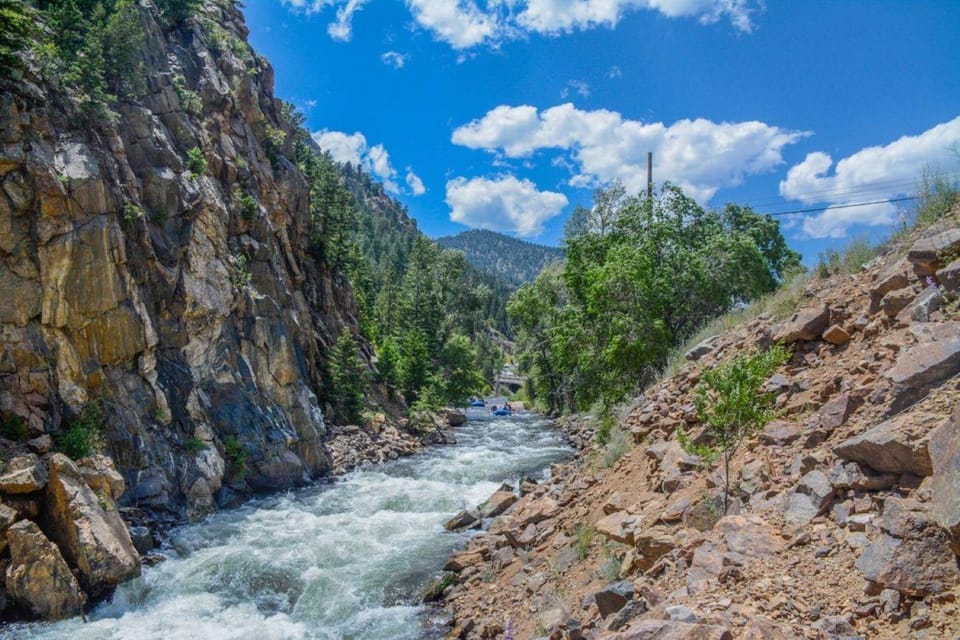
[200, 327]
[38, 577]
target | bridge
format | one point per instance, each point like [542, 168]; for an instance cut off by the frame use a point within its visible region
[509, 380]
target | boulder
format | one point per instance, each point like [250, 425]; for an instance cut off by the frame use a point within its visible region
[949, 277]
[945, 481]
[101, 476]
[922, 367]
[896, 301]
[837, 335]
[752, 536]
[925, 254]
[455, 418]
[613, 597]
[23, 474]
[807, 324]
[888, 448]
[671, 630]
[535, 511]
[618, 526]
[461, 521]
[460, 561]
[896, 277]
[817, 487]
[912, 556]
[38, 577]
[836, 412]
[652, 544]
[780, 433]
[88, 529]
[701, 349]
[925, 305]
[497, 503]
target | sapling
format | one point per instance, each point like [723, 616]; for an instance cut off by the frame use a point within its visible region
[729, 401]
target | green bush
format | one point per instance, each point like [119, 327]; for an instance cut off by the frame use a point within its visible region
[82, 436]
[236, 456]
[938, 194]
[246, 204]
[583, 538]
[617, 446]
[729, 402]
[189, 100]
[195, 445]
[196, 163]
[13, 427]
[240, 275]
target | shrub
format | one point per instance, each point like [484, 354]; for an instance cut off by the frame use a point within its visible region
[189, 100]
[617, 446]
[240, 271]
[196, 163]
[196, 445]
[583, 538]
[246, 204]
[132, 213]
[82, 436]
[729, 402]
[236, 456]
[938, 194]
[13, 427]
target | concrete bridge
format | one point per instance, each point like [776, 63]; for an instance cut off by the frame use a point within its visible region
[510, 380]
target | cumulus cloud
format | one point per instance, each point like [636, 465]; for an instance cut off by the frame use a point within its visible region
[394, 59]
[699, 155]
[463, 24]
[375, 160]
[873, 173]
[415, 183]
[581, 87]
[502, 204]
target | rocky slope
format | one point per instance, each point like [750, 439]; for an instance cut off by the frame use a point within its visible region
[847, 513]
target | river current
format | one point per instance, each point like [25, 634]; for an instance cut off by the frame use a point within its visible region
[344, 560]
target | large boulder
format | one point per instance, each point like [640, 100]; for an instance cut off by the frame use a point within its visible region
[895, 277]
[38, 577]
[807, 324]
[922, 367]
[912, 556]
[945, 482]
[101, 475]
[925, 254]
[23, 474]
[889, 447]
[88, 528]
[496, 504]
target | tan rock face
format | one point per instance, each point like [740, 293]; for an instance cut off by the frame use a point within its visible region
[38, 577]
[100, 475]
[88, 528]
[945, 482]
[23, 474]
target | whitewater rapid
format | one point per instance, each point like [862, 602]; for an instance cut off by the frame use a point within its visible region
[345, 560]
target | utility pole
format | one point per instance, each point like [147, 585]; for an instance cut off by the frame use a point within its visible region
[650, 174]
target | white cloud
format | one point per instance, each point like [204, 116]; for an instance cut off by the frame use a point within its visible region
[579, 86]
[459, 23]
[394, 59]
[699, 155]
[873, 173]
[375, 160]
[342, 29]
[468, 23]
[614, 72]
[415, 183]
[502, 204]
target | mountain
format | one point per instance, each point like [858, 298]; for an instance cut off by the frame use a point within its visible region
[511, 260]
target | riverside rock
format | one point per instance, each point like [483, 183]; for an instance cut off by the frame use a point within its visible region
[38, 576]
[92, 537]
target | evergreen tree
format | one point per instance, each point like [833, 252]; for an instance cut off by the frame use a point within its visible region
[350, 379]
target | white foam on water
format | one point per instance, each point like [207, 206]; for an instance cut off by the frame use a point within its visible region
[340, 561]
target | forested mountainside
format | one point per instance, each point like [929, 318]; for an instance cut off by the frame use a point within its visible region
[509, 259]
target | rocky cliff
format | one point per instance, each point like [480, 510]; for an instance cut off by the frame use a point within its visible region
[846, 510]
[157, 264]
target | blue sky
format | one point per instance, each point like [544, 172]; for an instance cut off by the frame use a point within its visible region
[505, 114]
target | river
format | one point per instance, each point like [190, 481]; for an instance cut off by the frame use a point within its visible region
[343, 560]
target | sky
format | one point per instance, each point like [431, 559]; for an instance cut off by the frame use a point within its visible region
[506, 114]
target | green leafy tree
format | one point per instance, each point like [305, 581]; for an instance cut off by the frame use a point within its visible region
[730, 403]
[459, 374]
[123, 37]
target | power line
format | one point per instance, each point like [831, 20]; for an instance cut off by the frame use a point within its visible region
[842, 206]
